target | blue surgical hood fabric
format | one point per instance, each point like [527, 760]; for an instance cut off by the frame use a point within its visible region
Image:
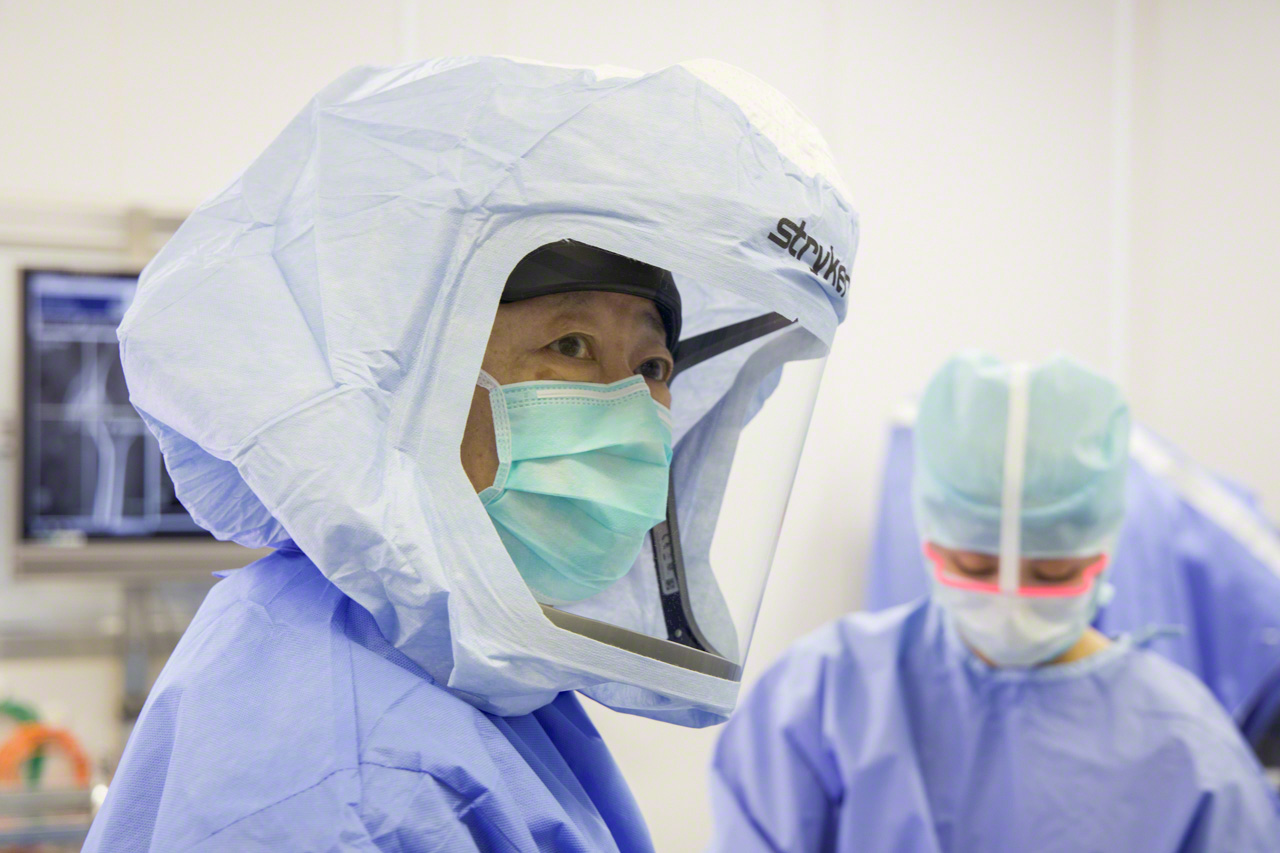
[284, 721]
[882, 732]
[1175, 565]
[307, 346]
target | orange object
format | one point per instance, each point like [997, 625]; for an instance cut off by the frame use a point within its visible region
[29, 737]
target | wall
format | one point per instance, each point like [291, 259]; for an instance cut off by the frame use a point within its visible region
[162, 104]
[1206, 297]
[985, 153]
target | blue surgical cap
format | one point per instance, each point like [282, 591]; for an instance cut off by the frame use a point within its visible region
[1076, 452]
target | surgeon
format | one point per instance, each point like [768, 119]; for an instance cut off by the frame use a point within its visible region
[990, 716]
[467, 352]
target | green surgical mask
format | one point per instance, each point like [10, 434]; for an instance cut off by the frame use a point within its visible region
[582, 478]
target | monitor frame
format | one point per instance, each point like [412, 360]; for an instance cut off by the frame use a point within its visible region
[162, 558]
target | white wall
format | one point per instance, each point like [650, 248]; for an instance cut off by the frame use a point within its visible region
[163, 103]
[1206, 298]
[979, 142]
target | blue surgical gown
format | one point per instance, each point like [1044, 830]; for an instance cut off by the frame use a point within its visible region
[284, 721]
[883, 732]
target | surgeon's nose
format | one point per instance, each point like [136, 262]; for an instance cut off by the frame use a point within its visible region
[611, 374]
[613, 367]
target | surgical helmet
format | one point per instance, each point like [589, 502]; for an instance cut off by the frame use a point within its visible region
[1041, 447]
[307, 347]
[568, 266]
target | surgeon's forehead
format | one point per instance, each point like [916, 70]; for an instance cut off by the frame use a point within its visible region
[596, 305]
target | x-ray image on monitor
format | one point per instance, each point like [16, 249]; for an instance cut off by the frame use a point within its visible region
[91, 467]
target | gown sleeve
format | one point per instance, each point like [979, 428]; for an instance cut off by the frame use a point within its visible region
[774, 786]
[1240, 814]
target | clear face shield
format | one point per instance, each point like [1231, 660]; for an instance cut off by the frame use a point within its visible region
[742, 391]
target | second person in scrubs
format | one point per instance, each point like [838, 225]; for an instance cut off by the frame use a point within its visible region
[990, 716]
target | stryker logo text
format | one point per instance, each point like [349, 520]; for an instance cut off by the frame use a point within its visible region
[797, 241]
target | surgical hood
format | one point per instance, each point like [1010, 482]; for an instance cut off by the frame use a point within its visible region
[307, 346]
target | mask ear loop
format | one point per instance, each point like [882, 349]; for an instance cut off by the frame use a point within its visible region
[501, 437]
[1015, 463]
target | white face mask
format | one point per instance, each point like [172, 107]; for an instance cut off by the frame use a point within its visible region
[1018, 629]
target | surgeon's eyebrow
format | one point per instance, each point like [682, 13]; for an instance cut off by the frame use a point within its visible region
[654, 321]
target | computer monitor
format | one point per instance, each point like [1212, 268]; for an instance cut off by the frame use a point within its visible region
[95, 495]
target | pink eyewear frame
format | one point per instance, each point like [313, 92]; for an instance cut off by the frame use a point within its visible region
[950, 579]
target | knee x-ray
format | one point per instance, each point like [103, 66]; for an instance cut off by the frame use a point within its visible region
[91, 467]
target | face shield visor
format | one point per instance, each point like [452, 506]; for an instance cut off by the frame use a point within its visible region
[742, 389]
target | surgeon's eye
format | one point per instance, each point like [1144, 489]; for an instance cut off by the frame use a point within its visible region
[1059, 573]
[572, 346]
[655, 370]
[976, 570]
